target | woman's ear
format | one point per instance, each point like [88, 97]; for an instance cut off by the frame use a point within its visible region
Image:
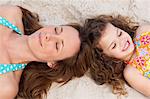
[51, 64]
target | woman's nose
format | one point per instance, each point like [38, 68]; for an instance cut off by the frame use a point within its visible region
[47, 36]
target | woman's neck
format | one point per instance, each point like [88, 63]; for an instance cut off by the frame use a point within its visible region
[18, 50]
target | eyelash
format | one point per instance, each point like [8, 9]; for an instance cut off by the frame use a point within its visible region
[120, 33]
[56, 45]
[114, 46]
[56, 30]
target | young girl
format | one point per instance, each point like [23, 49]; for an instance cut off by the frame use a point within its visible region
[24, 43]
[121, 49]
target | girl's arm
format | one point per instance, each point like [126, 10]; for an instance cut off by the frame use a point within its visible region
[137, 80]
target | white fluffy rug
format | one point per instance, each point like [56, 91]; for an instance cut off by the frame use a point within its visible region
[65, 11]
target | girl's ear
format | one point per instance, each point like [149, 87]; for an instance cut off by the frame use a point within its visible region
[51, 64]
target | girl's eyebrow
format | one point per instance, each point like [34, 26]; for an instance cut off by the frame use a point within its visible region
[110, 45]
[117, 30]
[117, 34]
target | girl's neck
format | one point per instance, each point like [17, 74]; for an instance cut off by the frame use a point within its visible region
[128, 60]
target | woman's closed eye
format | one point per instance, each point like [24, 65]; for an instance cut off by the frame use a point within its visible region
[57, 46]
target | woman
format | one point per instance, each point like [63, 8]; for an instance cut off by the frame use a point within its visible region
[48, 54]
[120, 52]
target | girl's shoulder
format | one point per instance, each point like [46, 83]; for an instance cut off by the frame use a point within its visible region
[142, 29]
[130, 72]
[142, 36]
[136, 80]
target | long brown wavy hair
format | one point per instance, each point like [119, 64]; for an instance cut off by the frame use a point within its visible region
[105, 69]
[37, 77]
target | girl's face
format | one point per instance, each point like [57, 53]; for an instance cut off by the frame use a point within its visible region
[52, 43]
[116, 43]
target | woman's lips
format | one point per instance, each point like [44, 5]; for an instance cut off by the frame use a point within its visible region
[126, 46]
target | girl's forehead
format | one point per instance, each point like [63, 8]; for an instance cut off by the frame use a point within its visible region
[108, 35]
[109, 30]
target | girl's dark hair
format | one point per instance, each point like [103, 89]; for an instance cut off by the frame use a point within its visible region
[105, 69]
[37, 77]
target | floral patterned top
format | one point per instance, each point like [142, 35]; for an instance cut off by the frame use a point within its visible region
[142, 59]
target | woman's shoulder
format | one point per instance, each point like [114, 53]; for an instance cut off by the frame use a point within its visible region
[10, 9]
[13, 14]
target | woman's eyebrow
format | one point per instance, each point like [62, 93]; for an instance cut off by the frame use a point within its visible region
[62, 44]
[61, 29]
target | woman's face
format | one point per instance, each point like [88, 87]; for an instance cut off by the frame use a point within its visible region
[116, 43]
[54, 43]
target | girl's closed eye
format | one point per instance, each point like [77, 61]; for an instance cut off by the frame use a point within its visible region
[114, 46]
[120, 33]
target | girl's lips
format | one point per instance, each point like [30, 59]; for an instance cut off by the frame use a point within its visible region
[126, 46]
